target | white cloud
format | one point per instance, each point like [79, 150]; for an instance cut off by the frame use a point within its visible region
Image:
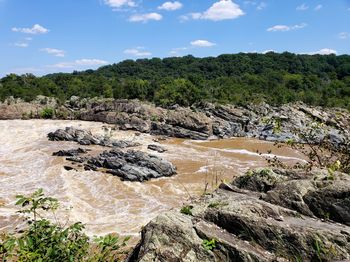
[285, 28]
[137, 52]
[28, 38]
[53, 51]
[221, 10]
[343, 35]
[35, 30]
[145, 17]
[120, 3]
[261, 6]
[302, 7]
[318, 7]
[80, 63]
[21, 44]
[202, 43]
[170, 6]
[90, 62]
[268, 51]
[324, 51]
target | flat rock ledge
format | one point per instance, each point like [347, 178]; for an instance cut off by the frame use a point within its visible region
[85, 137]
[265, 215]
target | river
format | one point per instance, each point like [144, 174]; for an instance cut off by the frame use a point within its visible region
[103, 202]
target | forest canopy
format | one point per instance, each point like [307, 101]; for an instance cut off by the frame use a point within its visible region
[231, 78]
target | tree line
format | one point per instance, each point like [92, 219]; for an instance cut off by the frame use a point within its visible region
[231, 78]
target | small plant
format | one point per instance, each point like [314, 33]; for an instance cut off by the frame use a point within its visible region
[154, 118]
[187, 210]
[217, 204]
[209, 244]
[43, 240]
[319, 151]
[322, 252]
[47, 113]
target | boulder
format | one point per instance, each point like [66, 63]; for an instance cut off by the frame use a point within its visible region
[241, 222]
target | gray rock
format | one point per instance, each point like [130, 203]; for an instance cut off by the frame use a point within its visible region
[157, 148]
[130, 165]
[70, 152]
[84, 137]
[245, 225]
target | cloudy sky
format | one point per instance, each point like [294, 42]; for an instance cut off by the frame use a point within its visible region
[45, 36]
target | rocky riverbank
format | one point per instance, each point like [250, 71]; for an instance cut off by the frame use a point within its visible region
[199, 122]
[265, 215]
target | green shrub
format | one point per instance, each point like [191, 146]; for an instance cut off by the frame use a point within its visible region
[43, 240]
[209, 244]
[47, 113]
[187, 210]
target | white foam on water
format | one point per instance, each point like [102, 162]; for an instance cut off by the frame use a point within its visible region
[101, 201]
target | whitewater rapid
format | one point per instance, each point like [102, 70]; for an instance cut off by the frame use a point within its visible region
[101, 201]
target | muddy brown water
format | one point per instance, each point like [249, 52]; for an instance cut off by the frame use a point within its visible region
[103, 202]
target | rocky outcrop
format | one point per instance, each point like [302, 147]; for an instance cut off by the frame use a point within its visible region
[131, 165]
[265, 215]
[199, 122]
[13, 108]
[85, 137]
[204, 120]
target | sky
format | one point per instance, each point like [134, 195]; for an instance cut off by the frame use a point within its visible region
[46, 36]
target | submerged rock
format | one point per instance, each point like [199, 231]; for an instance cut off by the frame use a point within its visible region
[266, 215]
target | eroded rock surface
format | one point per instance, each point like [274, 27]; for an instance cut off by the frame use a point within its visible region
[265, 215]
[132, 165]
[85, 137]
[199, 122]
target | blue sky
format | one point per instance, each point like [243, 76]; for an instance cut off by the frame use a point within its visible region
[45, 36]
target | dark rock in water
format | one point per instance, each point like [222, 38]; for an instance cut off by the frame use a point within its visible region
[70, 152]
[76, 159]
[261, 216]
[157, 148]
[131, 165]
[69, 168]
[84, 137]
[89, 167]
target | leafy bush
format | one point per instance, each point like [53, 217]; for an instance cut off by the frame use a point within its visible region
[43, 240]
[319, 150]
[209, 244]
[47, 113]
[187, 210]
